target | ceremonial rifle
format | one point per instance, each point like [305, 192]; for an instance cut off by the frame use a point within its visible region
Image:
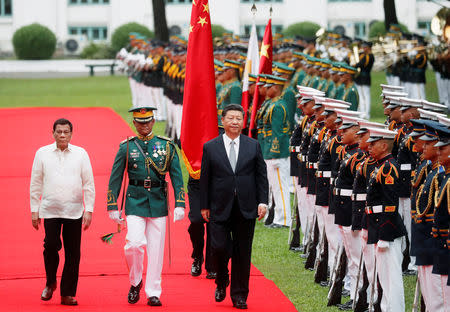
[293, 217]
[314, 241]
[335, 293]
[361, 303]
[321, 265]
[357, 279]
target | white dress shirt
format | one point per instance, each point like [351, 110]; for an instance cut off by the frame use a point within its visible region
[227, 142]
[60, 180]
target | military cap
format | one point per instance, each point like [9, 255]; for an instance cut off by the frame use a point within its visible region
[380, 134]
[309, 89]
[348, 69]
[418, 128]
[330, 108]
[444, 136]
[142, 114]
[393, 102]
[392, 88]
[430, 130]
[325, 65]
[318, 101]
[444, 120]
[218, 65]
[348, 122]
[425, 114]
[350, 113]
[262, 79]
[335, 68]
[274, 80]
[336, 101]
[434, 107]
[410, 103]
[252, 79]
[365, 126]
[227, 64]
[366, 44]
[281, 68]
[299, 55]
[385, 93]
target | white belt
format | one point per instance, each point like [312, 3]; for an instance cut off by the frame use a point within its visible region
[374, 209]
[359, 197]
[405, 167]
[303, 158]
[297, 149]
[331, 180]
[323, 174]
[342, 192]
[315, 165]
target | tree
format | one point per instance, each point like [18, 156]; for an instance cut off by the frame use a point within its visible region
[390, 14]
[120, 37]
[159, 20]
[217, 30]
[305, 29]
[34, 42]
[377, 29]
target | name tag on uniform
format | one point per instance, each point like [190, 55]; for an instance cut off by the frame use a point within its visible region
[405, 167]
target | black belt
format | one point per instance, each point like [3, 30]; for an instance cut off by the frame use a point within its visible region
[147, 183]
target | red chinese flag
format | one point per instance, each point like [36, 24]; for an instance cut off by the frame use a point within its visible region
[199, 123]
[265, 67]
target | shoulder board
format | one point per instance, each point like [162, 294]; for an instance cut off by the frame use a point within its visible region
[164, 138]
[441, 169]
[129, 139]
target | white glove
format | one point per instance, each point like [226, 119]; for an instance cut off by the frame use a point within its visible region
[276, 163]
[364, 235]
[383, 245]
[178, 214]
[115, 216]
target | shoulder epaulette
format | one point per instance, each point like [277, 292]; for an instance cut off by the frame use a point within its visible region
[129, 139]
[164, 138]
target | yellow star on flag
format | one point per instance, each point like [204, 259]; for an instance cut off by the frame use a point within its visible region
[202, 21]
[193, 2]
[191, 28]
[206, 8]
[265, 49]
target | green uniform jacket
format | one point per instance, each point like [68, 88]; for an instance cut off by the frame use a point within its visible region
[330, 89]
[340, 90]
[260, 122]
[314, 83]
[141, 201]
[351, 95]
[298, 78]
[288, 96]
[276, 128]
[231, 93]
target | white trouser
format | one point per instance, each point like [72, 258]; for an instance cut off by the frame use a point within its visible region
[352, 245]
[140, 94]
[159, 103]
[434, 289]
[334, 237]
[364, 100]
[416, 90]
[178, 118]
[446, 84]
[404, 209]
[321, 225]
[440, 87]
[149, 232]
[302, 210]
[389, 269]
[278, 177]
[146, 98]
[133, 91]
[369, 261]
[310, 209]
[395, 80]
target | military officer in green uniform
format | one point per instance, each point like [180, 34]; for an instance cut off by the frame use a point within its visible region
[350, 92]
[276, 150]
[145, 159]
[288, 93]
[231, 92]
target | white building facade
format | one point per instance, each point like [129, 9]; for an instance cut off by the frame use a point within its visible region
[97, 19]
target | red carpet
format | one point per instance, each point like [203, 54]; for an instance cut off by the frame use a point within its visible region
[103, 283]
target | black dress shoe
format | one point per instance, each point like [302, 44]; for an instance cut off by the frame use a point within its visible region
[133, 294]
[154, 302]
[345, 293]
[68, 300]
[196, 268]
[211, 275]
[47, 293]
[240, 304]
[346, 306]
[221, 293]
[409, 272]
[324, 283]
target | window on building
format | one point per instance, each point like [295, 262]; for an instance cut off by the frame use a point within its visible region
[261, 28]
[92, 33]
[88, 1]
[5, 7]
[178, 1]
[360, 29]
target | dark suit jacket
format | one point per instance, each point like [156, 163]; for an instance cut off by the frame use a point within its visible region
[218, 182]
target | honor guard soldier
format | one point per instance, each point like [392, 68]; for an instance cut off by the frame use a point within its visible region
[363, 80]
[431, 284]
[323, 175]
[343, 203]
[276, 150]
[418, 62]
[146, 159]
[440, 229]
[350, 93]
[231, 92]
[288, 93]
[385, 226]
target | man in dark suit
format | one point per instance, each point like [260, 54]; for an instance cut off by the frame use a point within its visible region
[234, 190]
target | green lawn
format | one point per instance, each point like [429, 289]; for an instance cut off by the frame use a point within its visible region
[270, 252]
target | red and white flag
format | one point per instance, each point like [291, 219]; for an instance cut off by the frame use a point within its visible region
[251, 67]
